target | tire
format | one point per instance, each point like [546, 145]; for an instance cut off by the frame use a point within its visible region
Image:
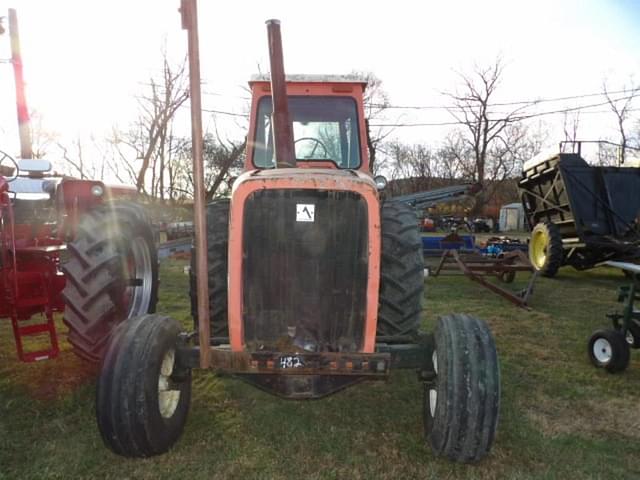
[142, 395]
[461, 406]
[401, 272]
[217, 246]
[113, 242]
[609, 349]
[545, 249]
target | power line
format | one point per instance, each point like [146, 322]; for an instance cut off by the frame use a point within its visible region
[515, 118]
[498, 104]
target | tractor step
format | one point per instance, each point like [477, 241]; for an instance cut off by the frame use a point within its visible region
[32, 302]
[39, 355]
[33, 329]
[48, 328]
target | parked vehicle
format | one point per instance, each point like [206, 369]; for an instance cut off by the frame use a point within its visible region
[313, 284]
[580, 215]
[73, 246]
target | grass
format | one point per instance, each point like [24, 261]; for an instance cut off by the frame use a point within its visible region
[561, 418]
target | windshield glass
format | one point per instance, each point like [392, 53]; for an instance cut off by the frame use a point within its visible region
[324, 129]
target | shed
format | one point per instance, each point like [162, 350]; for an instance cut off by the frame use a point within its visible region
[512, 217]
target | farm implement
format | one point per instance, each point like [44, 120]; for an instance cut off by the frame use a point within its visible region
[579, 215]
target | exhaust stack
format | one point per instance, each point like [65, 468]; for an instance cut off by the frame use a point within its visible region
[284, 149]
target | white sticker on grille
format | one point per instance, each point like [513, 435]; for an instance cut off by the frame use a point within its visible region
[305, 212]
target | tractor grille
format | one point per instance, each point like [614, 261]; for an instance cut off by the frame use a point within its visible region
[304, 270]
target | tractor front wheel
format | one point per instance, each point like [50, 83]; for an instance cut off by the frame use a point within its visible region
[111, 275]
[143, 393]
[462, 401]
[545, 249]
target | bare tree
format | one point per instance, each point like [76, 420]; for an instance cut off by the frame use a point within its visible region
[621, 107]
[376, 101]
[484, 147]
[76, 159]
[570, 125]
[147, 138]
[222, 161]
[42, 139]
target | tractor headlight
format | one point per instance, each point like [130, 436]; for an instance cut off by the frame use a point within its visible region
[380, 181]
[97, 190]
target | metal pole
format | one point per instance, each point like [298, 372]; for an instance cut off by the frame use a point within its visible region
[189, 13]
[284, 149]
[21, 101]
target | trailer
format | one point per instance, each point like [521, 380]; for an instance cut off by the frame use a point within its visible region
[579, 215]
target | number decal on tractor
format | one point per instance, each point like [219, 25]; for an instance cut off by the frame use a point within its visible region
[305, 212]
[291, 361]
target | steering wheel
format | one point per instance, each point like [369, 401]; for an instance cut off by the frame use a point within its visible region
[4, 156]
[315, 147]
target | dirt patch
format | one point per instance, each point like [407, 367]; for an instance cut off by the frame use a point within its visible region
[590, 418]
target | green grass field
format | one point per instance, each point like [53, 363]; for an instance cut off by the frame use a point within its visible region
[561, 418]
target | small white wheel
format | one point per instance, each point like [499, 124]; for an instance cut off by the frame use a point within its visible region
[609, 349]
[602, 350]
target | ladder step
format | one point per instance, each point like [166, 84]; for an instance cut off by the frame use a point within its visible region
[40, 355]
[34, 329]
[32, 302]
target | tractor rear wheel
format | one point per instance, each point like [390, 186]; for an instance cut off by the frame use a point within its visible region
[545, 249]
[111, 275]
[462, 402]
[401, 272]
[217, 246]
[143, 393]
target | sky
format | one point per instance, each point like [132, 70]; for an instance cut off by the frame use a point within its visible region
[85, 62]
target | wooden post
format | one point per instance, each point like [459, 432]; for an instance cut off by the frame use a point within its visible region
[189, 11]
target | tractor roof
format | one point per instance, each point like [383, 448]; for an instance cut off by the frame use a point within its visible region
[305, 78]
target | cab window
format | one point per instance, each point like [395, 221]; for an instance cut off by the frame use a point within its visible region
[324, 129]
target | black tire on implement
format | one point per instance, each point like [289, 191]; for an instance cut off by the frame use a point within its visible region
[143, 394]
[401, 272]
[462, 404]
[217, 246]
[609, 349]
[111, 275]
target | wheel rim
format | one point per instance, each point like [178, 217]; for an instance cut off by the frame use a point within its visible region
[168, 399]
[137, 292]
[602, 350]
[630, 338]
[538, 248]
[433, 391]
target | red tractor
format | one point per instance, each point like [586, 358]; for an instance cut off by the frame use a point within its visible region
[315, 283]
[73, 246]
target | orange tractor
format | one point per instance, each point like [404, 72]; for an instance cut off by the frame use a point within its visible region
[314, 284]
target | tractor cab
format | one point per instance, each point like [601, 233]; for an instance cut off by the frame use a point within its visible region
[327, 116]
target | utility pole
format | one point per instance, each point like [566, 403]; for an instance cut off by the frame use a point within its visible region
[24, 127]
[189, 11]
